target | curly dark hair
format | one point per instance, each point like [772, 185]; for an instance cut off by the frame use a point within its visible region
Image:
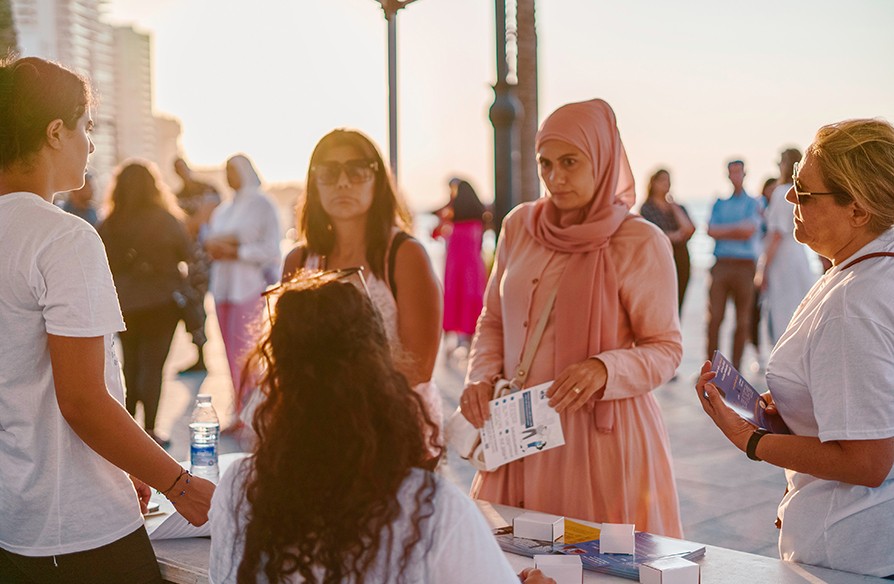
[387, 209]
[338, 432]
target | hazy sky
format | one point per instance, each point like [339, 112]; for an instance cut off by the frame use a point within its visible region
[693, 82]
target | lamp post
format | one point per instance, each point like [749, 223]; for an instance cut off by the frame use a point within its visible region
[504, 114]
[390, 7]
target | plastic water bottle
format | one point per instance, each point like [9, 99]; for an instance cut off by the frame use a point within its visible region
[204, 439]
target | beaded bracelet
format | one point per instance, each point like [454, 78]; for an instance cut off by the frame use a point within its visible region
[179, 476]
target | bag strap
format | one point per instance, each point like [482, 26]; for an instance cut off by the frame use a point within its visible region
[399, 238]
[868, 256]
[524, 367]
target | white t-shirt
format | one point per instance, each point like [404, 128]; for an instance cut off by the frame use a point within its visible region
[57, 496]
[832, 376]
[462, 547]
[789, 276]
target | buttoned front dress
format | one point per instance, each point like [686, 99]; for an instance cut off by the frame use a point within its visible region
[623, 476]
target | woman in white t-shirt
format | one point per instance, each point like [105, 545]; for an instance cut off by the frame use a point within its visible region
[831, 375]
[334, 490]
[68, 511]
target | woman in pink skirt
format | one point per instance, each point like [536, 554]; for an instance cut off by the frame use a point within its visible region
[462, 228]
[612, 337]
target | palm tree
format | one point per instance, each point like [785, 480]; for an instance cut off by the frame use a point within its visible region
[527, 94]
[8, 40]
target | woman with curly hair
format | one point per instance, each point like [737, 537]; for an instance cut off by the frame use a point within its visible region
[333, 491]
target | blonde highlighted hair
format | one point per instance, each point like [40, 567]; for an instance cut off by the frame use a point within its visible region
[857, 157]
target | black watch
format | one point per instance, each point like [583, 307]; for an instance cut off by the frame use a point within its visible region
[751, 449]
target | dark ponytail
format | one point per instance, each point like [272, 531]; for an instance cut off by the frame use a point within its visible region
[33, 93]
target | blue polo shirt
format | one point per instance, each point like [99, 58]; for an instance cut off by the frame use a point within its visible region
[737, 208]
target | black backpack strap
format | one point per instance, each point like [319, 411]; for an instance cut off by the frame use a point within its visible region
[399, 238]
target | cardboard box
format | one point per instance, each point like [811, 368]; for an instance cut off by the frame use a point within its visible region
[616, 538]
[562, 569]
[673, 570]
[538, 526]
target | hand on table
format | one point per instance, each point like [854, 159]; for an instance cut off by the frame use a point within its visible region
[574, 387]
[733, 426]
[534, 576]
[474, 402]
[195, 501]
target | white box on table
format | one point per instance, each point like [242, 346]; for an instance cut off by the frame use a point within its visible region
[538, 526]
[617, 538]
[673, 570]
[562, 569]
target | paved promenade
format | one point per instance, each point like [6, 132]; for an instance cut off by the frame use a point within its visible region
[726, 499]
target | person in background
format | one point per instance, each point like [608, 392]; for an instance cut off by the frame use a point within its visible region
[660, 208]
[335, 490]
[145, 241]
[242, 242]
[831, 374]
[198, 200]
[735, 225]
[70, 512]
[462, 227]
[756, 316]
[612, 337]
[352, 217]
[784, 275]
[80, 201]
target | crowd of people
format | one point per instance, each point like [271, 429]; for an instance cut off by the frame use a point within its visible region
[332, 349]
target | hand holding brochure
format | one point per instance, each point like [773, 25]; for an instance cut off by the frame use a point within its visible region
[521, 424]
[743, 398]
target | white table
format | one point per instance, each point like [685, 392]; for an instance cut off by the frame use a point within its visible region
[185, 561]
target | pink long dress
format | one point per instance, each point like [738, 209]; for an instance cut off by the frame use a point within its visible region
[624, 476]
[464, 277]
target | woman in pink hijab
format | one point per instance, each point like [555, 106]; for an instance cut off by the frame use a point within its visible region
[612, 337]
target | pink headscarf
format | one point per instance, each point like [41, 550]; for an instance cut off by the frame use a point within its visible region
[586, 329]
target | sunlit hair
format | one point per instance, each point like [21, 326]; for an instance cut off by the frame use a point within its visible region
[33, 93]
[338, 432]
[387, 210]
[857, 158]
[650, 191]
[137, 186]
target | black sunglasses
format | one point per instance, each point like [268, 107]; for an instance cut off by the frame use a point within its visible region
[358, 171]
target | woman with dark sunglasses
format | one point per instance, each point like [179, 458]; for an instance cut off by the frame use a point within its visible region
[831, 374]
[352, 217]
[334, 490]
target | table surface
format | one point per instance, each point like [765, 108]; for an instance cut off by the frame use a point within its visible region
[185, 561]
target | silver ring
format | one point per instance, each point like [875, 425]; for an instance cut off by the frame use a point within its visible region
[577, 390]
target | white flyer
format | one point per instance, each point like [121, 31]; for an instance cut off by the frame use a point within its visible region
[521, 423]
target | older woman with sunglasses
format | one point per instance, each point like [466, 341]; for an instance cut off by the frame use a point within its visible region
[831, 374]
[352, 217]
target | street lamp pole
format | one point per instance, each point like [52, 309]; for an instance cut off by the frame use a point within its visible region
[390, 7]
[504, 114]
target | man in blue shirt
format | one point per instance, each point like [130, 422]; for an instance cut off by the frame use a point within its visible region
[735, 225]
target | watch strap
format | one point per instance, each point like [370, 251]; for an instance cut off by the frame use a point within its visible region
[751, 449]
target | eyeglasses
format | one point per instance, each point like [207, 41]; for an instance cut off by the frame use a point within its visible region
[358, 171]
[804, 196]
[348, 275]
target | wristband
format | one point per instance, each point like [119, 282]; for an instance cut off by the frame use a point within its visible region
[751, 449]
